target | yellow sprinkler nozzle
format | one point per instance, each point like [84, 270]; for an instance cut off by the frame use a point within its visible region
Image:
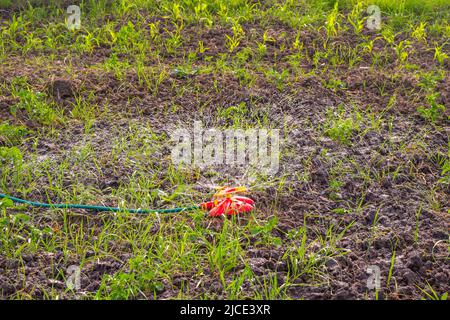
[228, 192]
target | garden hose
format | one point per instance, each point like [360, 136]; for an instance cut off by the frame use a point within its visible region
[224, 202]
[95, 208]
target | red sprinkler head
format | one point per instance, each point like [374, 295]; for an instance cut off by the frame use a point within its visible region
[226, 202]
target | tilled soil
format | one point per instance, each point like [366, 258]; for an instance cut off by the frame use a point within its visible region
[388, 177]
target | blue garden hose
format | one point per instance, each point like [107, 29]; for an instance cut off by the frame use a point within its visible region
[96, 208]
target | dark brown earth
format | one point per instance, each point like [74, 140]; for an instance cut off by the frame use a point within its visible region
[397, 197]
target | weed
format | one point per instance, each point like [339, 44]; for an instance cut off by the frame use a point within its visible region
[118, 67]
[341, 128]
[234, 114]
[332, 25]
[440, 55]
[278, 78]
[419, 33]
[431, 294]
[36, 106]
[11, 155]
[435, 111]
[355, 17]
[12, 135]
[391, 269]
